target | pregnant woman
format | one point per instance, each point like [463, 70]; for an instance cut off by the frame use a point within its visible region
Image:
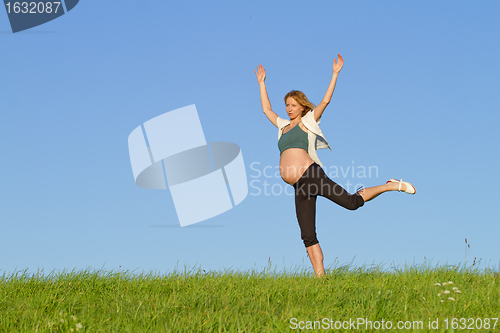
[298, 140]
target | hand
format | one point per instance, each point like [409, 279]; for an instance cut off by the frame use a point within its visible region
[338, 64]
[261, 74]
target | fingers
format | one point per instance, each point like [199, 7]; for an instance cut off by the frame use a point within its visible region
[338, 63]
[260, 70]
[260, 73]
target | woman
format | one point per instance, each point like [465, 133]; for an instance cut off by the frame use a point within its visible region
[298, 140]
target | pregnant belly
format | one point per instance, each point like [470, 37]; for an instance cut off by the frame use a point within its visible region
[293, 163]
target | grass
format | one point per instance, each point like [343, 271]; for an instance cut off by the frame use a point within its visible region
[251, 301]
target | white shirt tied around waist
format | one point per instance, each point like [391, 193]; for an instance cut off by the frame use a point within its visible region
[316, 138]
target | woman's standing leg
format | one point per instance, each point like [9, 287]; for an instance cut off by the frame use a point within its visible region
[316, 257]
[305, 208]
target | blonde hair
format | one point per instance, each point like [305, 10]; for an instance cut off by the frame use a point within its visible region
[301, 98]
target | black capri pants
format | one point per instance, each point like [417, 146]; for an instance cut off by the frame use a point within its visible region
[312, 183]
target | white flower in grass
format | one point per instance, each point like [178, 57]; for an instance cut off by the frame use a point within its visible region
[454, 288]
[444, 283]
[442, 301]
[439, 295]
[458, 291]
[79, 326]
[451, 299]
[450, 282]
[437, 284]
[73, 317]
[446, 291]
[61, 320]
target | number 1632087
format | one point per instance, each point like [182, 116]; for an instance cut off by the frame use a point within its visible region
[48, 7]
[471, 323]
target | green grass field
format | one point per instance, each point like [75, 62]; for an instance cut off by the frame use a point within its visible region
[347, 299]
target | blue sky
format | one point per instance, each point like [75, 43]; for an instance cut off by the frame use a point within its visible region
[417, 98]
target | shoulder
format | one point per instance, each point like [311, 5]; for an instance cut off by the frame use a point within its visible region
[282, 122]
[309, 117]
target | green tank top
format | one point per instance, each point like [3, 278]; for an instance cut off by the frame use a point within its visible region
[294, 138]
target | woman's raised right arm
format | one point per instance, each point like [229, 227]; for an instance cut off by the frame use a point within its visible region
[264, 99]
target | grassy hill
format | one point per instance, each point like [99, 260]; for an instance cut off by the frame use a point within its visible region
[362, 299]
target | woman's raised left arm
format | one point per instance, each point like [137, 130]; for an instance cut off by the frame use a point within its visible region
[337, 66]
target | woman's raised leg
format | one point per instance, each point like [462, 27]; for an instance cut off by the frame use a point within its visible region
[370, 193]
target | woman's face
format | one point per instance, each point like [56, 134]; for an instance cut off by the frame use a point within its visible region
[293, 109]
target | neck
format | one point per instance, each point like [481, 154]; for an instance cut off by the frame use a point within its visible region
[295, 120]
